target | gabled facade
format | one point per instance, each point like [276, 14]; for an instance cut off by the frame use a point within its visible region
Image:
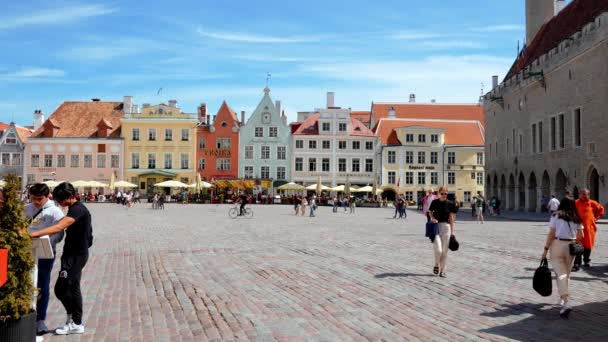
[264, 144]
[12, 148]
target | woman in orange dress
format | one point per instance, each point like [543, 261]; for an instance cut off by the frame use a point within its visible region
[589, 211]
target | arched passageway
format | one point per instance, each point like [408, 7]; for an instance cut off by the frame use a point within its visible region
[521, 192]
[560, 184]
[532, 193]
[593, 184]
[511, 193]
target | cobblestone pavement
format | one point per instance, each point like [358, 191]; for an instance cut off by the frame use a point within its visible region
[191, 273]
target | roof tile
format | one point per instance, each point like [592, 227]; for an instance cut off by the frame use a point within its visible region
[457, 132]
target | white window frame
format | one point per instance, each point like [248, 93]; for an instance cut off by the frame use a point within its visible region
[249, 152]
[165, 160]
[138, 159]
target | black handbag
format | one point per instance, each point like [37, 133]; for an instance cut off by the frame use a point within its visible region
[542, 279]
[576, 248]
[453, 245]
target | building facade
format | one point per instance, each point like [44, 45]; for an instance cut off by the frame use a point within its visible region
[79, 141]
[264, 143]
[546, 122]
[12, 149]
[218, 144]
[159, 145]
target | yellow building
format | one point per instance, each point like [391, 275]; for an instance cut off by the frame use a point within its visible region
[160, 145]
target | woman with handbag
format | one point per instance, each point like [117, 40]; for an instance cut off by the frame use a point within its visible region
[443, 214]
[564, 228]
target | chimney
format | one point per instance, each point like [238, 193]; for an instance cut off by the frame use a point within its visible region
[412, 98]
[208, 120]
[202, 112]
[494, 82]
[38, 118]
[173, 103]
[277, 104]
[330, 99]
[135, 109]
[391, 112]
[95, 100]
[433, 101]
[243, 117]
[213, 119]
[538, 12]
[559, 5]
[127, 104]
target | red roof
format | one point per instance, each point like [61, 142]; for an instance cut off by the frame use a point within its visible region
[428, 111]
[568, 21]
[457, 132]
[310, 126]
[22, 132]
[363, 116]
[225, 110]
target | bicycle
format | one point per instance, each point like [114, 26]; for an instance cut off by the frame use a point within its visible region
[234, 211]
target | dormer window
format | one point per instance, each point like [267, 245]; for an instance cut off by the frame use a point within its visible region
[11, 139]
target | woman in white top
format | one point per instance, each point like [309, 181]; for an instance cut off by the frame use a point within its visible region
[564, 228]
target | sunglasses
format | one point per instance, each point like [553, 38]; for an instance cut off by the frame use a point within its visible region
[443, 193]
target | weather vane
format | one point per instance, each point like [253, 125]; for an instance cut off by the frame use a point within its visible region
[268, 76]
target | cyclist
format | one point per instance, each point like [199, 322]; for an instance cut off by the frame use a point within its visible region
[243, 199]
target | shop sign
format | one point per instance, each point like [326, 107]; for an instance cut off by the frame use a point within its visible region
[217, 153]
[414, 167]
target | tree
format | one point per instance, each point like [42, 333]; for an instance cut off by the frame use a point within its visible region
[16, 294]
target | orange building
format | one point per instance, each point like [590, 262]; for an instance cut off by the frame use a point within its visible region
[218, 143]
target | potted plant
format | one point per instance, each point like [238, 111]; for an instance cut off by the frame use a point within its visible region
[17, 319]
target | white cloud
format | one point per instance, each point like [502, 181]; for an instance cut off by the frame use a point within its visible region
[252, 38]
[498, 28]
[414, 35]
[30, 73]
[449, 44]
[56, 16]
[98, 53]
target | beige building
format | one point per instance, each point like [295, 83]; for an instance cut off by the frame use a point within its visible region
[546, 122]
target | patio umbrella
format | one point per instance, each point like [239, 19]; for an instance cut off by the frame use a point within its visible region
[317, 187]
[80, 184]
[291, 186]
[171, 184]
[339, 188]
[51, 183]
[365, 189]
[96, 184]
[124, 184]
[206, 185]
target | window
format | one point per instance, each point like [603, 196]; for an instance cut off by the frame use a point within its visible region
[151, 134]
[369, 145]
[409, 138]
[577, 127]
[513, 139]
[553, 134]
[114, 161]
[326, 145]
[325, 127]
[223, 164]
[521, 143]
[74, 160]
[421, 157]
[185, 134]
[434, 138]
[342, 145]
[35, 160]
[281, 152]
[451, 158]
[135, 160]
[434, 157]
[467, 196]
[265, 152]
[265, 172]
[60, 160]
[312, 164]
[101, 161]
[356, 145]
[281, 172]
[540, 137]
[391, 177]
[223, 143]
[369, 165]
[151, 160]
[434, 178]
[168, 134]
[391, 157]
[273, 132]
[342, 127]
[479, 158]
[299, 164]
[341, 165]
[202, 143]
[6, 159]
[507, 147]
[325, 165]
[168, 160]
[409, 177]
[479, 178]
[201, 164]
[259, 132]
[451, 178]
[561, 130]
[11, 139]
[355, 165]
[473, 175]
[248, 171]
[533, 138]
[48, 160]
[135, 134]
[249, 152]
[184, 161]
[421, 177]
[409, 196]
[421, 138]
[409, 157]
[312, 144]
[88, 160]
[299, 144]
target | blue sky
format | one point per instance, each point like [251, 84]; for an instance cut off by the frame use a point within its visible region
[210, 51]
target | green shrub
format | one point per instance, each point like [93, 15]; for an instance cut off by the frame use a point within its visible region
[16, 294]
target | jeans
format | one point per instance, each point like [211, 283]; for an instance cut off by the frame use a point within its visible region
[561, 260]
[440, 246]
[586, 257]
[67, 287]
[45, 267]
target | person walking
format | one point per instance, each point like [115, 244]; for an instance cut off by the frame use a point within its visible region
[443, 213]
[42, 214]
[426, 203]
[335, 201]
[397, 206]
[564, 228]
[553, 204]
[78, 240]
[474, 207]
[346, 203]
[352, 203]
[313, 205]
[589, 211]
[479, 202]
[303, 205]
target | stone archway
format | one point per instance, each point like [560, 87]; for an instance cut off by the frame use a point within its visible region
[593, 183]
[495, 186]
[575, 192]
[488, 186]
[532, 193]
[560, 184]
[503, 190]
[521, 192]
[511, 193]
[389, 194]
[545, 190]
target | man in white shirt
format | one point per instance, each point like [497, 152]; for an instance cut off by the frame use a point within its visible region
[553, 204]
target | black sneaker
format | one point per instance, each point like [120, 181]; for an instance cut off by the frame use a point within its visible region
[575, 268]
[586, 265]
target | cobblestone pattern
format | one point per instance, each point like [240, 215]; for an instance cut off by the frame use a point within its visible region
[191, 273]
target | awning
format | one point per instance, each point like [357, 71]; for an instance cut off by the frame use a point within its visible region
[163, 173]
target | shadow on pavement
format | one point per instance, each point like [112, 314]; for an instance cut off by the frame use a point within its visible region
[586, 323]
[597, 273]
[391, 275]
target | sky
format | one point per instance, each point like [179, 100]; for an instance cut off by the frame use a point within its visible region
[211, 51]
